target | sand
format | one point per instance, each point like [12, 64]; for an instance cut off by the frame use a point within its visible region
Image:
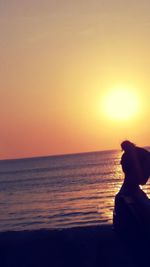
[86, 246]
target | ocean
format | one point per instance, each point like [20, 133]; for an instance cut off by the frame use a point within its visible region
[59, 192]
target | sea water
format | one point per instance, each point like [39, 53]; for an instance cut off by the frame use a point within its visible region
[59, 191]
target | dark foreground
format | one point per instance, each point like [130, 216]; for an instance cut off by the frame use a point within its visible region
[87, 246]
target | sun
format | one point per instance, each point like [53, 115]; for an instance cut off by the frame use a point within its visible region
[121, 104]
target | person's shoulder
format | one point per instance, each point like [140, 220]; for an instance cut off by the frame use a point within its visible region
[143, 152]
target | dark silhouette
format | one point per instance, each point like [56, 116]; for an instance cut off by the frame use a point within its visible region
[132, 206]
[131, 218]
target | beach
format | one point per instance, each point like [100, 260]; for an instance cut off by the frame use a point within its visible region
[74, 173]
[81, 246]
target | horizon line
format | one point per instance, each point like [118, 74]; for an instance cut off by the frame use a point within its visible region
[63, 154]
[58, 155]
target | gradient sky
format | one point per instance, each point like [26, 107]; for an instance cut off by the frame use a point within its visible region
[58, 59]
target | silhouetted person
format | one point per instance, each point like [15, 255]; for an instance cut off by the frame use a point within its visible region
[135, 164]
[132, 206]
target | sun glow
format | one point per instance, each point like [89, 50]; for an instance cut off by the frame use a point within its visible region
[121, 104]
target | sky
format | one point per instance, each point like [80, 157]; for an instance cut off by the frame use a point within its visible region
[59, 60]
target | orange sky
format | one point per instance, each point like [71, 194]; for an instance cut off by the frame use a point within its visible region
[58, 60]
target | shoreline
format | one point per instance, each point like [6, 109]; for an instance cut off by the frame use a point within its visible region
[80, 246]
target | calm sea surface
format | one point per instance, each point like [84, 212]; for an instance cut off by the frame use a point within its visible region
[59, 191]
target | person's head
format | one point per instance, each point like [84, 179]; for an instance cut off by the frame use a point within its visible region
[127, 145]
[128, 159]
[135, 163]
